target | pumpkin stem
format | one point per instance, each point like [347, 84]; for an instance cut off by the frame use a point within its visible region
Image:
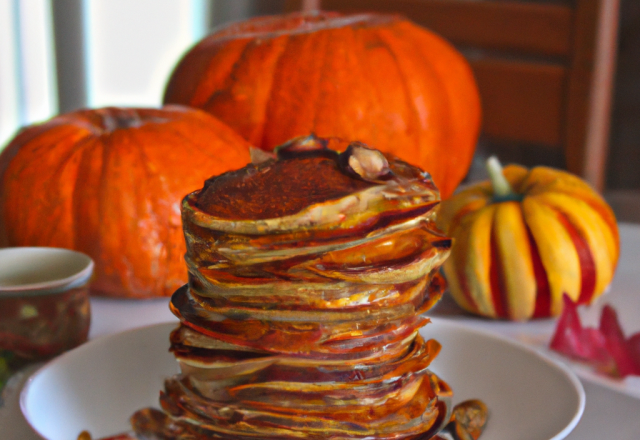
[501, 188]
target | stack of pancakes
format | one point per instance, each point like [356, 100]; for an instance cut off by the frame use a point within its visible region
[308, 275]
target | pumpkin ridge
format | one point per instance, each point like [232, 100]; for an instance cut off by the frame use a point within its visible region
[230, 78]
[84, 184]
[268, 135]
[463, 266]
[496, 283]
[96, 247]
[136, 275]
[270, 94]
[600, 207]
[468, 209]
[61, 136]
[543, 292]
[415, 119]
[589, 233]
[196, 97]
[158, 265]
[83, 148]
[438, 121]
[361, 40]
[78, 148]
[11, 150]
[326, 64]
[369, 96]
[463, 100]
[451, 135]
[587, 263]
[571, 188]
[25, 191]
[457, 265]
[173, 261]
[594, 200]
[261, 101]
[234, 67]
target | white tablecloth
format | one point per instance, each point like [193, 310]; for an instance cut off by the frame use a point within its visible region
[608, 414]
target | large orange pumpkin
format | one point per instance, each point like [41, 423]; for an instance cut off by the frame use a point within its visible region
[524, 239]
[109, 183]
[376, 78]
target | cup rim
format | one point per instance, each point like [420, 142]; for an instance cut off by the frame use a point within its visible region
[75, 280]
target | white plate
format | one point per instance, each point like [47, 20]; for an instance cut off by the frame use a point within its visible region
[100, 384]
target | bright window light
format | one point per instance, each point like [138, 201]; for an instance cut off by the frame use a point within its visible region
[132, 47]
[27, 68]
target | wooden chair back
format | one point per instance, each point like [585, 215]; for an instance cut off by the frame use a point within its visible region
[544, 70]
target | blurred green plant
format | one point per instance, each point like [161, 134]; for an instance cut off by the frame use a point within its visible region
[6, 358]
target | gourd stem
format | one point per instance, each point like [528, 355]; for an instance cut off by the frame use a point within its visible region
[501, 187]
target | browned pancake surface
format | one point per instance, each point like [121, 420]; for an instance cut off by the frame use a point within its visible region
[276, 188]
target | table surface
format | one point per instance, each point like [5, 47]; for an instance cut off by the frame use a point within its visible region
[608, 414]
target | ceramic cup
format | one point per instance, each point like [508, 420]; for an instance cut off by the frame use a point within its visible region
[44, 301]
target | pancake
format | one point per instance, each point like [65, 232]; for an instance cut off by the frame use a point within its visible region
[309, 274]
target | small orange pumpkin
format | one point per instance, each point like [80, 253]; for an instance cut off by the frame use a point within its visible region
[526, 237]
[379, 79]
[109, 182]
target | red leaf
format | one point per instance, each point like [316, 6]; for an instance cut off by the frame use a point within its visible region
[617, 344]
[566, 339]
[605, 347]
[572, 340]
[633, 343]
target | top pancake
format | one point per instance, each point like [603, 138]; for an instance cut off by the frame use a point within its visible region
[276, 188]
[299, 178]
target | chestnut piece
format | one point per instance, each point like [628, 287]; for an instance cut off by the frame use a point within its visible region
[366, 163]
